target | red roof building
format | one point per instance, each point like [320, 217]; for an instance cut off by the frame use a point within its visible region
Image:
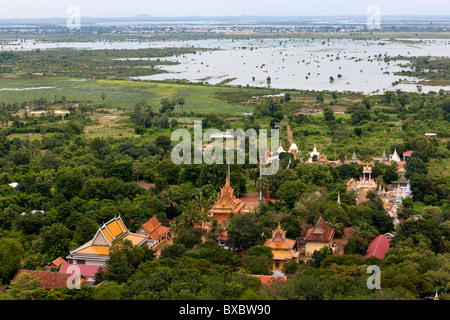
[155, 231]
[55, 263]
[407, 154]
[320, 232]
[265, 280]
[49, 280]
[86, 270]
[317, 237]
[378, 247]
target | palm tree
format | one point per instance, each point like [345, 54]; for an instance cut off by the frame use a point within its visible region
[170, 199]
[191, 215]
[137, 169]
[205, 205]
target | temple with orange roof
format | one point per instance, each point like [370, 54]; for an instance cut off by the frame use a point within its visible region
[227, 205]
[283, 249]
[96, 251]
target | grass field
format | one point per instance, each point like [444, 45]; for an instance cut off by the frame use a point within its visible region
[120, 93]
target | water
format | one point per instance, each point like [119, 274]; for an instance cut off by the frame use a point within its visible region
[308, 65]
[290, 63]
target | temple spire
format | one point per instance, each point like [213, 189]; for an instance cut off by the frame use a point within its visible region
[227, 179]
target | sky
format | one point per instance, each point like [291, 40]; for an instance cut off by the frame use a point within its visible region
[180, 8]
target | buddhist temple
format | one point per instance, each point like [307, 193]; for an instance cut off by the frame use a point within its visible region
[351, 185]
[96, 251]
[354, 158]
[314, 154]
[155, 231]
[227, 205]
[283, 249]
[384, 157]
[366, 180]
[403, 182]
[322, 158]
[318, 237]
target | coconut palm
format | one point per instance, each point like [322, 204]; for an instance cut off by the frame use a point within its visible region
[191, 215]
[137, 169]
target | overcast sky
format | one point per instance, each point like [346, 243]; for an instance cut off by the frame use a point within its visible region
[177, 8]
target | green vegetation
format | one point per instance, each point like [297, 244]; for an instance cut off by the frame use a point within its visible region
[109, 155]
[85, 64]
[431, 70]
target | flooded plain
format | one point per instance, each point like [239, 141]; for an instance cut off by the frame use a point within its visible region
[308, 64]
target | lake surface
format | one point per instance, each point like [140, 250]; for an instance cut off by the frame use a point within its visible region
[354, 65]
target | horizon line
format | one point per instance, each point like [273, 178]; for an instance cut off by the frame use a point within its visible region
[234, 16]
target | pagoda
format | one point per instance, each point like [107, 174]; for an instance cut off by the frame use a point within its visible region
[227, 205]
[394, 157]
[313, 153]
[322, 158]
[283, 249]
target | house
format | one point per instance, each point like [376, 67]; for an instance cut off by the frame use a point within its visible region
[86, 271]
[318, 237]
[378, 247]
[50, 280]
[283, 249]
[55, 263]
[407, 154]
[430, 135]
[155, 231]
[96, 251]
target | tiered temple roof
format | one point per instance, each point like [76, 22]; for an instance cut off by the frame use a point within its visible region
[279, 240]
[96, 251]
[227, 205]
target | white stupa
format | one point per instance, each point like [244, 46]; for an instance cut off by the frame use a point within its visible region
[394, 156]
[314, 153]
